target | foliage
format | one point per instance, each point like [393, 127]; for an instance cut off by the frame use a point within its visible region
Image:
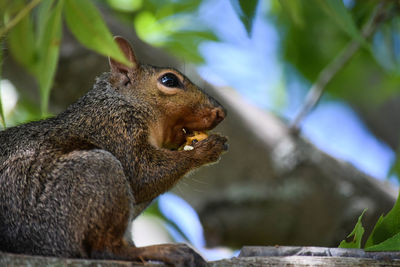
[246, 10]
[366, 71]
[356, 235]
[395, 169]
[342, 17]
[86, 24]
[3, 120]
[35, 40]
[387, 227]
[384, 237]
[313, 34]
[34, 33]
[167, 24]
[294, 10]
[371, 76]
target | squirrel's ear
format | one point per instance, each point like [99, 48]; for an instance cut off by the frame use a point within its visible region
[118, 67]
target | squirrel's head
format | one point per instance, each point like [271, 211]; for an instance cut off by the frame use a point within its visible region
[180, 106]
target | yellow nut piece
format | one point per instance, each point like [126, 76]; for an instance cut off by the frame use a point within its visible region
[196, 137]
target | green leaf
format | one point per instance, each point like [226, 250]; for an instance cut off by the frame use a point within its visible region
[3, 119]
[126, 5]
[43, 13]
[390, 244]
[185, 44]
[163, 9]
[153, 31]
[85, 22]
[183, 50]
[246, 10]
[342, 17]
[357, 235]
[22, 45]
[48, 46]
[387, 226]
[395, 168]
[4, 10]
[385, 46]
[294, 9]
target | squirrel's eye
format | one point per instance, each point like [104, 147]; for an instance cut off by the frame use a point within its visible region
[170, 80]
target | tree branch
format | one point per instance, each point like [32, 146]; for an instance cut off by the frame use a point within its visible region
[330, 71]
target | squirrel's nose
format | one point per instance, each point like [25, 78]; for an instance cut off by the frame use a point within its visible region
[220, 111]
[220, 114]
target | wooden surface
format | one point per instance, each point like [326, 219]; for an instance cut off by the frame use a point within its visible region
[11, 260]
[249, 256]
[302, 261]
[284, 251]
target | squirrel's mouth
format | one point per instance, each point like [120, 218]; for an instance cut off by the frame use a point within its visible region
[177, 134]
[178, 138]
[187, 132]
[181, 136]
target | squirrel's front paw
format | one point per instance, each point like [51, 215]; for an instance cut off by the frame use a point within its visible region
[210, 149]
[181, 255]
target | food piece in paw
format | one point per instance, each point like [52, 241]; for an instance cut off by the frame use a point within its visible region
[193, 139]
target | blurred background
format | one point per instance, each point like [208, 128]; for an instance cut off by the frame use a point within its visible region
[288, 179]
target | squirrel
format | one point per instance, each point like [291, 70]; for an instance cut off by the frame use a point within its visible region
[71, 185]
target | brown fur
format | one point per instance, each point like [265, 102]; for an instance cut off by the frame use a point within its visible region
[71, 185]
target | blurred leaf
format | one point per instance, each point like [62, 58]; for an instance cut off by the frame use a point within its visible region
[43, 13]
[395, 168]
[4, 9]
[165, 8]
[3, 119]
[300, 46]
[193, 38]
[22, 45]
[294, 9]
[387, 226]
[25, 110]
[246, 10]
[186, 44]
[390, 244]
[125, 5]
[342, 17]
[362, 82]
[356, 235]
[86, 24]
[48, 48]
[199, 36]
[385, 43]
[184, 51]
[149, 29]
[161, 32]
